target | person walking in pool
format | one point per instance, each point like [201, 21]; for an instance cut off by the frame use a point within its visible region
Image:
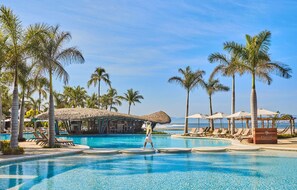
[148, 138]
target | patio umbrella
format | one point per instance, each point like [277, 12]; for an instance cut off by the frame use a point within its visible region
[240, 114]
[263, 112]
[198, 116]
[218, 115]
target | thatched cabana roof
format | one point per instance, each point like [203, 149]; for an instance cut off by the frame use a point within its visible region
[90, 113]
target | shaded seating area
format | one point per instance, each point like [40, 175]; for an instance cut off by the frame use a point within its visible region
[96, 121]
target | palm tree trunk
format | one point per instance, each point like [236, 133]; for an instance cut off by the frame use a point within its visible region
[1, 111]
[210, 109]
[22, 115]
[51, 113]
[254, 104]
[14, 113]
[187, 113]
[233, 105]
[39, 103]
[129, 108]
[99, 94]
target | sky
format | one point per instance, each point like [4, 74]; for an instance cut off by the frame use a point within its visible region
[141, 44]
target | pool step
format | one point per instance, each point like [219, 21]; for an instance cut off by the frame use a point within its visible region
[209, 149]
[101, 151]
[174, 150]
[137, 151]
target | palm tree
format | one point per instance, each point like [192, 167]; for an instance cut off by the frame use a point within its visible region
[92, 101]
[75, 96]
[96, 77]
[19, 43]
[189, 80]
[59, 100]
[228, 67]
[26, 83]
[52, 59]
[114, 99]
[41, 85]
[257, 62]
[2, 67]
[212, 86]
[131, 97]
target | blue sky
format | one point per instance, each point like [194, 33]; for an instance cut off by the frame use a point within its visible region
[142, 44]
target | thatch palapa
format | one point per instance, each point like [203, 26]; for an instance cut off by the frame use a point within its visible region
[90, 113]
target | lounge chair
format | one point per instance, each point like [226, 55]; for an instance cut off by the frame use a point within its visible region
[216, 133]
[223, 133]
[193, 130]
[44, 140]
[35, 138]
[198, 132]
[238, 133]
[245, 135]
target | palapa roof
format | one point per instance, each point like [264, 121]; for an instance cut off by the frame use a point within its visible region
[89, 113]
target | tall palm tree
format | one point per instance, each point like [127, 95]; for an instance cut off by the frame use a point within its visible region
[257, 62]
[53, 56]
[96, 77]
[189, 80]
[3, 63]
[20, 42]
[26, 83]
[228, 67]
[211, 86]
[131, 97]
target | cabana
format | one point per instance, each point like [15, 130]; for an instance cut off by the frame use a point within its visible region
[96, 121]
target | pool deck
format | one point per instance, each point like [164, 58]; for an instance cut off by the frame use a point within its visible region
[33, 151]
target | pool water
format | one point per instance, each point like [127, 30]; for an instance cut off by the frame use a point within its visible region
[136, 141]
[233, 170]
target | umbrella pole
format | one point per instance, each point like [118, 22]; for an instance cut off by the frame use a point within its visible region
[221, 123]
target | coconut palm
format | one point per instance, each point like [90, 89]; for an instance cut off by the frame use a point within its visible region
[211, 86]
[92, 101]
[52, 58]
[189, 80]
[257, 62]
[41, 86]
[228, 67]
[20, 43]
[2, 67]
[131, 97]
[96, 77]
[114, 99]
[75, 96]
[26, 83]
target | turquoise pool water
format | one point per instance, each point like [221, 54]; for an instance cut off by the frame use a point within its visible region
[136, 141]
[159, 171]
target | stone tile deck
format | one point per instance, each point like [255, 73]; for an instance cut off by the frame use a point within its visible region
[33, 151]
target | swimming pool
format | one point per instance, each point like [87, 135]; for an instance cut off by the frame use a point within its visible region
[136, 141]
[257, 170]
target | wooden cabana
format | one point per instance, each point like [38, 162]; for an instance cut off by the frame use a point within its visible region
[96, 121]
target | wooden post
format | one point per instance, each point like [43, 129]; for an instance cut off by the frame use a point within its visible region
[229, 123]
[247, 123]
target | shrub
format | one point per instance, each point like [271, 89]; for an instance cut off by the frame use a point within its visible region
[284, 136]
[7, 150]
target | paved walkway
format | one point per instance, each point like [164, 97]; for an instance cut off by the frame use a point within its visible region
[33, 151]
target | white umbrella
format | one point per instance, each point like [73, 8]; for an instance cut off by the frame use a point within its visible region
[218, 115]
[198, 116]
[263, 112]
[240, 114]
